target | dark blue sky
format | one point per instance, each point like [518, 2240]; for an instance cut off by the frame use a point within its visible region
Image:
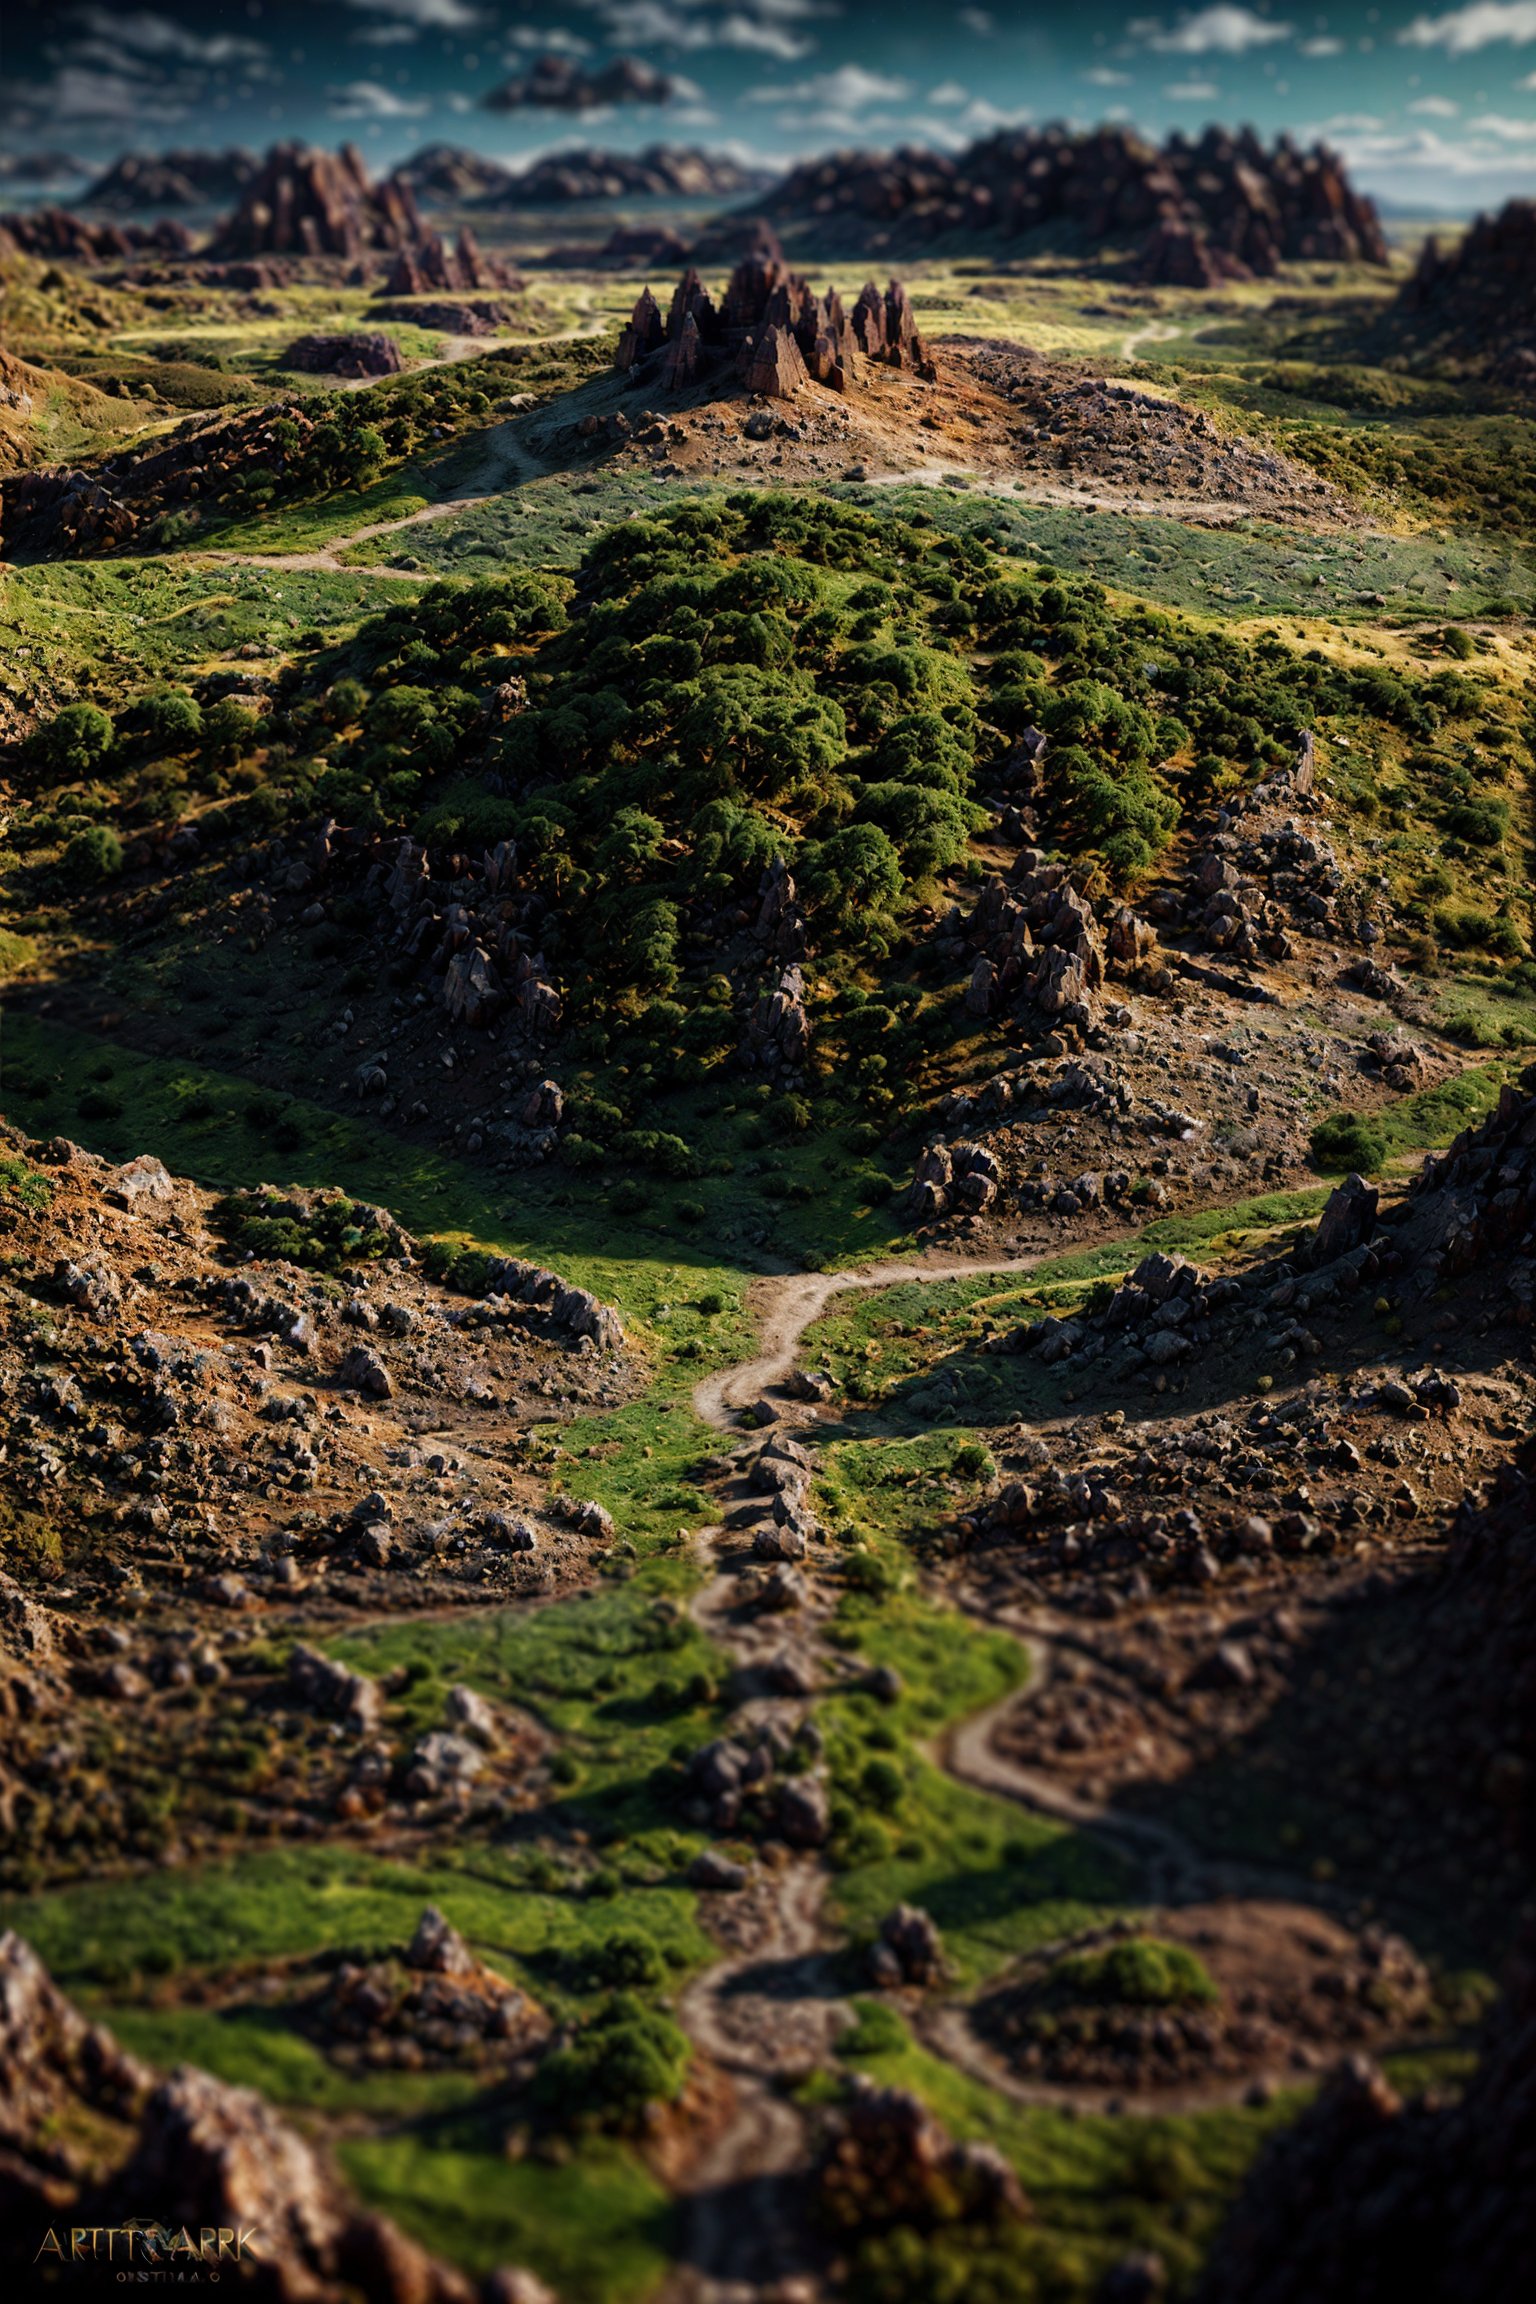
[1433, 103]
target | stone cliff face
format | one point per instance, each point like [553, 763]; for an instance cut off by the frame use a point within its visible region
[1225, 208]
[1475, 305]
[771, 331]
[306, 202]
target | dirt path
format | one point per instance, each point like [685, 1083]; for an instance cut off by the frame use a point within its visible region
[509, 464]
[767, 2014]
[791, 1302]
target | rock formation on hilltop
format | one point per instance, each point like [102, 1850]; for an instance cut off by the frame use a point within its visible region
[1225, 208]
[429, 264]
[1475, 305]
[771, 331]
[661, 171]
[305, 202]
[172, 179]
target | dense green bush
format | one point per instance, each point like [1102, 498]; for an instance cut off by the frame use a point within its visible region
[1143, 1971]
[624, 2057]
[92, 855]
[1348, 1141]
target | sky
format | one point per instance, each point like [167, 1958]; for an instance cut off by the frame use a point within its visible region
[1433, 106]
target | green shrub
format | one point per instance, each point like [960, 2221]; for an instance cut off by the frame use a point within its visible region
[624, 2057]
[93, 855]
[75, 742]
[1346, 1142]
[1143, 1971]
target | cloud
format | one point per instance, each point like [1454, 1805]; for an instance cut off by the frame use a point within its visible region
[425, 15]
[386, 36]
[1105, 76]
[978, 20]
[548, 43]
[1480, 24]
[1436, 107]
[555, 84]
[1222, 30]
[370, 100]
[144, 34]
[1507, 131]
[752, 27]
[1322, 44]
[948, 92]
[1193, 92]
[851, 88]
[1426, 157]
[1352, 124]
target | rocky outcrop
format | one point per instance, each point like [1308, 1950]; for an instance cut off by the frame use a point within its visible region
[779, 1028]
[1473, 306]
[771, 332]
[1037, 945]
[429, 263]
[554, 1303]
[67, 239]
[1190, 213]
[887, 2161]
[1370, 2196]
[64, 513]
[358, 352]
[190, 2153]
[953, 1179]
[307, 202]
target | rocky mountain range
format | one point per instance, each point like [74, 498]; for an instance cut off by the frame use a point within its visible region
[1224, 208]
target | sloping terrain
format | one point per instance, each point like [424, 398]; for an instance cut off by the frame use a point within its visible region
[763, 1533]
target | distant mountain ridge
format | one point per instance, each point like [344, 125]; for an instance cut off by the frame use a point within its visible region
[1188, 213]
[172, 179]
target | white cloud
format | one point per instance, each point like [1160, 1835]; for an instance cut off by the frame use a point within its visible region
[948, 92]
[978, 20]
[1105, 76]
[1222, 30]
[1322, 44]
[370, 100]
[145, 34]
[1193, 92]
[548, 43]
[386, 36]
[848, 90]
[752, 27]
[426, 15]
[1507, 131]
[1479, 24]
[1352, 124]
[1436, 107]
[1527, 83]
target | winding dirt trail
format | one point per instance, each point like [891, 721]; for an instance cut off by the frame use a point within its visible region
[740, 2193]
[767, 2014]
[509, 465]
[790, 1302]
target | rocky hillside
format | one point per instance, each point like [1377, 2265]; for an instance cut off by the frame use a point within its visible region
[660, 172]
[62, 237]
[89, 2133]
[1192, 214]
[1473, 307]
[307, 202]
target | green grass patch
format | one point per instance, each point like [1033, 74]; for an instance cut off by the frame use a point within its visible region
[598, 2229]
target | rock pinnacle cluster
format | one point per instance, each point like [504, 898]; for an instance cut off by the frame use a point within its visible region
[771, 331]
